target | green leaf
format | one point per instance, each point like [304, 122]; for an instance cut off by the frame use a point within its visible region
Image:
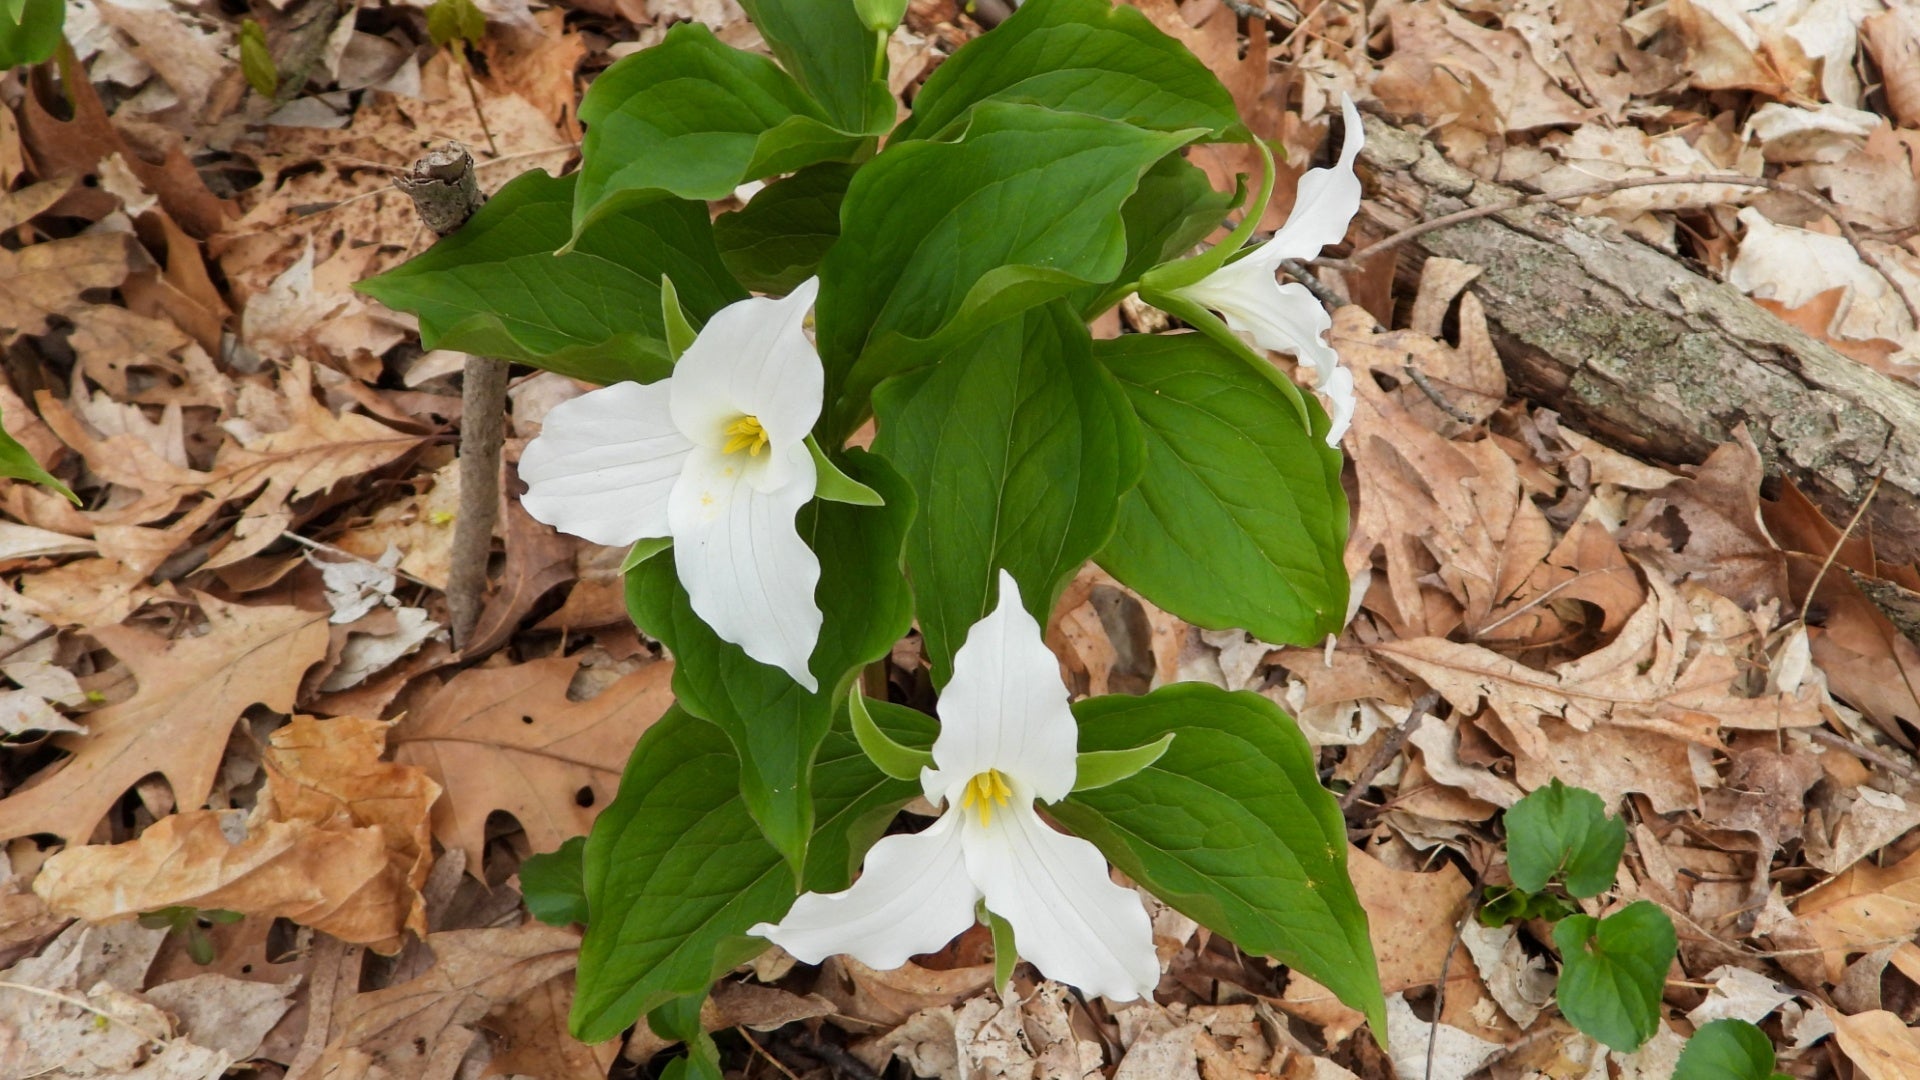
[1564, 832]
[833, 485]
[943, 240]
[695, 118]
[1727, 1050]
[1019, 447]
[552, 884]
[676, 870]
[16, 463]
[679, 1020]
[1174, 208]
[831, 50]
[256, 61]
[449, 21]
[496, 288]
[32, 33]
[1081, 56]
[1232, 828]
[1612, 971]
[1103, 767]
[897, 761]
[777, 240]
[774, 723]
[1234, 483]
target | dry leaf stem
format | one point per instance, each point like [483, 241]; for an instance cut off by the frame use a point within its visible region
[1389, 750]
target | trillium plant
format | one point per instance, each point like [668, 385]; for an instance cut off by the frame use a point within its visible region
[848, 397]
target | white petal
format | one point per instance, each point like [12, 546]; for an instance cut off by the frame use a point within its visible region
[753, 358]
[1283, 318]
[1068, 916]
[1338, 390]
[1005, 708]
[747, 573]
[604, 463]
[1325, 201]
[913, 896]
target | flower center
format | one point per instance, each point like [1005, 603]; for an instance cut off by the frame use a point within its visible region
[983, 791]
[745, 434]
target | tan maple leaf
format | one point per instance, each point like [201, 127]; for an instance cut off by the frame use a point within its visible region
[191, 691]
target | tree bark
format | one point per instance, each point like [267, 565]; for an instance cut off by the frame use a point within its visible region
[1647, 353]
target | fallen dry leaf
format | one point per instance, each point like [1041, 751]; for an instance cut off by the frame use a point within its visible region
[1864, 908]
[338, 841]
[191, 691]
[510, 738]
[1879, 1044]
[427, 1026]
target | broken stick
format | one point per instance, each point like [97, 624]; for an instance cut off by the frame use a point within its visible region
[446, 194]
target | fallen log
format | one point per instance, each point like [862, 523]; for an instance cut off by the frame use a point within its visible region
[1641, 350]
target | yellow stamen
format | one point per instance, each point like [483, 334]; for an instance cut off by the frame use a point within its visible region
[986, 789]
[745, 434]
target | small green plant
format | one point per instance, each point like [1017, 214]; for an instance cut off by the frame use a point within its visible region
[256, 60]
[186, 921]
[1612, 970]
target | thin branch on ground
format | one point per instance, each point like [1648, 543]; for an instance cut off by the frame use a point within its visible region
[1864, 753]
[1422, 706]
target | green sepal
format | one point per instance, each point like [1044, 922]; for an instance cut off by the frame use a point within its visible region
[1098, 768]
[1216, 330]
[835, 486]
[1178, 275]
[1005, 953]
[677, 329]
[642, 550]
[891, 758]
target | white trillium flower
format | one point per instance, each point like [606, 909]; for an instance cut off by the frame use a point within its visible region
[1287, 318]
[1006, 739]
[714, 457]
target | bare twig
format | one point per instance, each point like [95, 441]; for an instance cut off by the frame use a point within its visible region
[1352, 262]
[1391, 748]
[444, 190]
[1446, 965]
[86, 1006]
[762, 1051]
[1419, 379]
[1864, 753]
[834, 1057]
[1303, 274]
[1852, 522]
